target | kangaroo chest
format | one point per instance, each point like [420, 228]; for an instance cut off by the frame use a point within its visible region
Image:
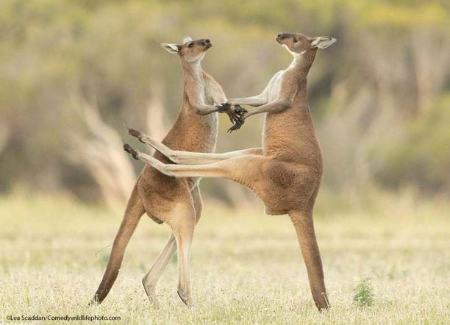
[274, 86]
[203, 128]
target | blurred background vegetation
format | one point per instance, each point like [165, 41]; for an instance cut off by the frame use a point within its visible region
[74, 72]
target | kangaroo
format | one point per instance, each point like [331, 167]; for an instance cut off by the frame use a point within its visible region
[286, 172]
[167, 199]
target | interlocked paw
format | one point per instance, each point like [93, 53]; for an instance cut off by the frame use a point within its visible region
[238, 118]
[236, 126]
[224, 107]
[235, 114]
[234, 118]
[239, 110]
[131, 151]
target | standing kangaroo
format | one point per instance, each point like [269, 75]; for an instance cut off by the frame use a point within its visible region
[287, 171]
[167, 199]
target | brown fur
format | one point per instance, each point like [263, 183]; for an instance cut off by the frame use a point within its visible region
[168, 199]
[286, 175]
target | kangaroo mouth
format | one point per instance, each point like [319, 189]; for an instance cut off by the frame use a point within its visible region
[207, 46]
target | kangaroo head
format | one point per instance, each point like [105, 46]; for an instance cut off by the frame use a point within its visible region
[189, 50]
[297, 43]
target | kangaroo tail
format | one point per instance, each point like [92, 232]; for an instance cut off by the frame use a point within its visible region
[134, 211]
[304, 227]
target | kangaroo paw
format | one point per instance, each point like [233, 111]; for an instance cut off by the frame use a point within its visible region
[239, 110]
[236, 126]
[221, 108]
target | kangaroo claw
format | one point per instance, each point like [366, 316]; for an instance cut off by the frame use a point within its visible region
[236, 126]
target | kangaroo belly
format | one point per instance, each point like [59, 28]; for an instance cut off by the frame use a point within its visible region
[282, 186]
[287, 186]
[160, 193]
[193, 132]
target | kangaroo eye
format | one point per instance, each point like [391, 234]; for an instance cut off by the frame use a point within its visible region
[191, 45]
[295, 40]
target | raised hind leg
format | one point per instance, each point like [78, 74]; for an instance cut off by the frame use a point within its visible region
[245, 169]
[190, 157]
[154, 274]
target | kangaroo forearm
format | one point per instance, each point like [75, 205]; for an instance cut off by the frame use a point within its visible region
[251, 101]
[273, 107]
[204, 109]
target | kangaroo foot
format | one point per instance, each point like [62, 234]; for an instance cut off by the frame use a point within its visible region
[150, 291]
[137, 134]
[131, 151]
[185, 297]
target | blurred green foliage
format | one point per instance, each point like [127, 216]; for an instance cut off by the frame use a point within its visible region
[380, 96]
[421, 157]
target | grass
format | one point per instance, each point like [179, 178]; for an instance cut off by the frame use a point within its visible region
[246, 266]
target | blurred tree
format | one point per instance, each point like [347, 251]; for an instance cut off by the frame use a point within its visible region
[385, 83]
[420, 155]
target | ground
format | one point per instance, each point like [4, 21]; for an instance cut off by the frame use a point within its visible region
[246, 267]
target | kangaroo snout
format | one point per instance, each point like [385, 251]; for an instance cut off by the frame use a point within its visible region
[281, 36]
[206, 42]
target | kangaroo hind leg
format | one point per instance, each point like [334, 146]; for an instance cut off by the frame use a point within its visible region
[190, 157]
[245, 168]
[182, 223]
[154, 274]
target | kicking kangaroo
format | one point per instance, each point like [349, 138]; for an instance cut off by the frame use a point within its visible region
[286, 172]
[165, 199]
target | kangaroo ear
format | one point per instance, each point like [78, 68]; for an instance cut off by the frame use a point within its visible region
[171, 48]
[186, 39]
[322, 42]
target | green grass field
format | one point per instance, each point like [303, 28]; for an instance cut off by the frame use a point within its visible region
[246, 266]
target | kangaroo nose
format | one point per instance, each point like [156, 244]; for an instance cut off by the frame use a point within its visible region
[206, 42]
